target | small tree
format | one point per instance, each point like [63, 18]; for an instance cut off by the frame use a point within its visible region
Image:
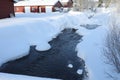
[80, 5]
[107, 3]
[100, 3]
[118, 6]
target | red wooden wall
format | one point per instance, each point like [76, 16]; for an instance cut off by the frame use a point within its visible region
[6, 8]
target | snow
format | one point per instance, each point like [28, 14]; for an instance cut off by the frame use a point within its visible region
[36, 2]
[70, 65]
[91, 48]
[79, 71]
[17, 34]
[5, 76]
[64, 0]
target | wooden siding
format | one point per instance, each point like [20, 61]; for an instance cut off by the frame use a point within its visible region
[53, 9]
[19, 9]
[43, 10]
[6, 8]
[34, 9]
[58, 4]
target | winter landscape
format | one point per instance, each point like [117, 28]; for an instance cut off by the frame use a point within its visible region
[19, 33]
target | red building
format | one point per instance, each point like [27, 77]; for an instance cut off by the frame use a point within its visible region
[37, 6]
[6, 8]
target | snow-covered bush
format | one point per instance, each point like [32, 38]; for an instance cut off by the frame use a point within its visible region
[112, 48]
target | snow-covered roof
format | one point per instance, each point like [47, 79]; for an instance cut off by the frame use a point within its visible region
[95, 0]
[64, 0]
[36, 2]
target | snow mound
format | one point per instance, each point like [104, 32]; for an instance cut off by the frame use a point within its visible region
[5, 76]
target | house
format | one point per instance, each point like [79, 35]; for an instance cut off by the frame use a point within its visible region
[37, 6]
[7, 8]
[67, 3]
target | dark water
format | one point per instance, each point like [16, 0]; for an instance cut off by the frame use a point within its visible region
[90, 26]
[52, 63]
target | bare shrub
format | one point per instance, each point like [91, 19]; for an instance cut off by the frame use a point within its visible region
[112, 48]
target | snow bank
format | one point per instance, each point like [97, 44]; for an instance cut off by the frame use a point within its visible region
[91, 48]
[16, 39]
[5, 76]
[18, 34]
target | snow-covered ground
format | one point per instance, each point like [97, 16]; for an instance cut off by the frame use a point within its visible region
[17, 34]
[5, 76]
